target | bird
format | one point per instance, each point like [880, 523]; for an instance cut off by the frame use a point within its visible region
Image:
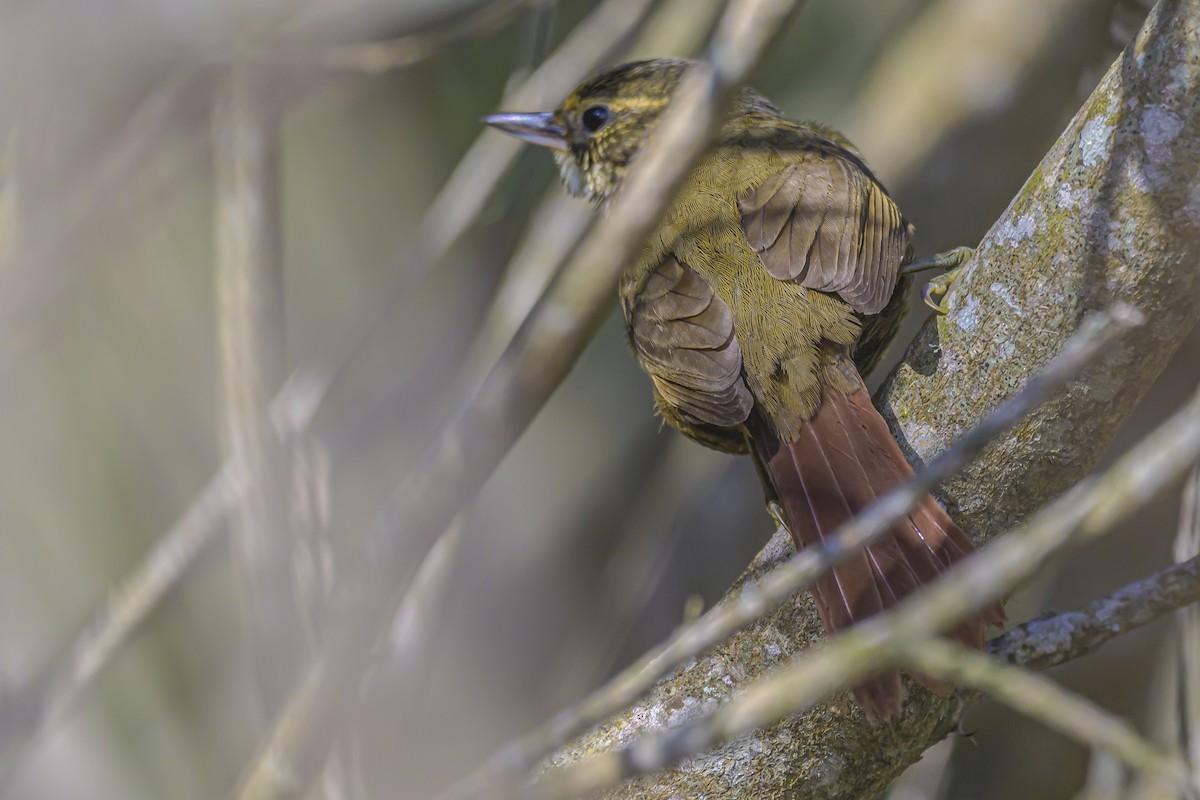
[765, 293]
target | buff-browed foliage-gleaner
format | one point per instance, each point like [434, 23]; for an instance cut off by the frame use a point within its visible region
[765, 293]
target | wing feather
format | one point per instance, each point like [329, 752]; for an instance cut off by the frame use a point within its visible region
[826, 224]
[683, 334]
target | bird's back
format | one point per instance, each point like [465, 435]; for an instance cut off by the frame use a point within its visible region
[794, 340]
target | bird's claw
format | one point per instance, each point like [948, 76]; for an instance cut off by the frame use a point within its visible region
[934, 293]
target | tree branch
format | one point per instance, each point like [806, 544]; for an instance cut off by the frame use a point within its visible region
[31, 709]
[1054, 639]
[475, 441]
[1045, 701]
[1187, 552]
[250, 331]
[458, 26]
[469, 188]
[1109, 215]
[1089, 510]
[759, 598]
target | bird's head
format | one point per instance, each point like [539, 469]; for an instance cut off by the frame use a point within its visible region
[599, 128]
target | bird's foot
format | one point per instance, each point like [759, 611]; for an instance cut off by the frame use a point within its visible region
[950, 259]
[935, 291]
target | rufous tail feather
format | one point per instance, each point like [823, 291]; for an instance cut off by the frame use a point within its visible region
[843, 458]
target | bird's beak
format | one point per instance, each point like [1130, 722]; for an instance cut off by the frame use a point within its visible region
[540, 128]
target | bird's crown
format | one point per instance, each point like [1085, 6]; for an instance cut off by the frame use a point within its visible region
[600, 126]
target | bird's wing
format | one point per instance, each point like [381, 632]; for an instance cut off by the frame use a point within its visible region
[683, 335]
[826, 224]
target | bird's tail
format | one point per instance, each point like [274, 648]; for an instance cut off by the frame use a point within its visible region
[843, 459]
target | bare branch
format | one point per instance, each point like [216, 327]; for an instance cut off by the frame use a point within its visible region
[250, 328]
[1187, 551]
[514, 390]
[471, 184]
[35, 706]
[757, 599]
[403, 51]
[1045, 701]
[1087, 511]
[1106, 216]
[1057, 638]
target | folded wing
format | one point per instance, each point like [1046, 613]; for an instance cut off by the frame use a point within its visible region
[826, 224]
[683, 335]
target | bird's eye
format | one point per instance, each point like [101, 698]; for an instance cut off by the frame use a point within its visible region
[594, 118]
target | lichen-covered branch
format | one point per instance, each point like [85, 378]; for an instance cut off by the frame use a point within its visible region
[1089, 510]
[1111, 213]
[503, 771]
[1056, 638]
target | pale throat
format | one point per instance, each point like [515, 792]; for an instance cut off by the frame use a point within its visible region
[597, 183]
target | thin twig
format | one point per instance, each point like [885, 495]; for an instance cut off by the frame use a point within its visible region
[1007, 318]
[942, 53]
[554, 230]
[406, 50]
[28, 711]
[30, 708]
[409, 629]
[1057, 638]
[470, 186]
[473, 444]
[1045, 701]
[756, 600]
[250, 330]
[33, 707]
[1090, 509]
[32, 250]
[1187, 551]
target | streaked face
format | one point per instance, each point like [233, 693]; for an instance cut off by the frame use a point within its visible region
[598, 129]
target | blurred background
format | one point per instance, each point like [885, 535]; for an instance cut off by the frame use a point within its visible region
[600, 532]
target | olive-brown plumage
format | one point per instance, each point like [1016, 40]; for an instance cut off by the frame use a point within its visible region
[745, 309]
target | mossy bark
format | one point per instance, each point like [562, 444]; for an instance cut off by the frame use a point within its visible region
[1111, 213]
